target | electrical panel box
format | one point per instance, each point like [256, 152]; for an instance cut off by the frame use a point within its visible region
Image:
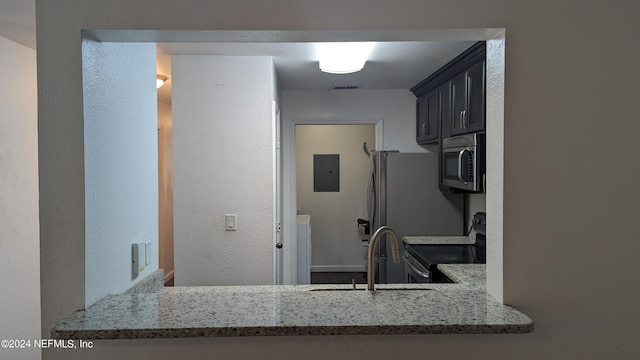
[326, 173]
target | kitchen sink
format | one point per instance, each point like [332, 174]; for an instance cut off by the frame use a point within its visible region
[364, 289]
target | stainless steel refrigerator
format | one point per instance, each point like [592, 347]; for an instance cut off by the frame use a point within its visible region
[403, 194]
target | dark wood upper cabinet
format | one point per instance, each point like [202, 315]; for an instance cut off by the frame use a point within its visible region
[428, 117]
[468, 100]
[445, 109]
[451, 101]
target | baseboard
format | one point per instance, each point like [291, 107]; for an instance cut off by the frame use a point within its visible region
[168, 276]
[338, 268]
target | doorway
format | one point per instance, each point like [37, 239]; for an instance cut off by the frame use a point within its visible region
[337, 249]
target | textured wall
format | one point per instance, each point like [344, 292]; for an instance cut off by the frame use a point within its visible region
[565, 199]
[19, 228]
[223, 163]
[336, 239]
[494, 200]
[121, 163]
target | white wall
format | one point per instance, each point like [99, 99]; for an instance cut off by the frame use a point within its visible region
[223, 164]
[473, 203]
[397, 108]
[121, 163]
[562, 98]
[336, 239]
[19, 228]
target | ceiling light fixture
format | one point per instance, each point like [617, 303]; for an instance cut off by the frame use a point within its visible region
[344, 57]
[160, 80]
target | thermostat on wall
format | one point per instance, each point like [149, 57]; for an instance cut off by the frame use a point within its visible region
[137, 259]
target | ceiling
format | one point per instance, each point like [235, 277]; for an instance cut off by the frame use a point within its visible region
[18, 21]
[391, 65]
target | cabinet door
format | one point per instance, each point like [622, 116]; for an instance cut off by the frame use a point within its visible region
[422, 118]
[433, 119]
[458, 102]
[427, 117]
[445, 109]
[468, 100]
[475, 115]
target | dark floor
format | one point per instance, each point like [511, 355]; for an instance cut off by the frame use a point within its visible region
[338, 277]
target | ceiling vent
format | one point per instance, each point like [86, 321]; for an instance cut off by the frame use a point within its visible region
[345, 87]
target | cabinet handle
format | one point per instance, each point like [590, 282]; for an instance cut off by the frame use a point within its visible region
[465, 119]
[461, 119]
[424, 127]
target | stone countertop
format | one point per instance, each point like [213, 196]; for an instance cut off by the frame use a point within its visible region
[472, 276]
[299, 310]
[438, 240]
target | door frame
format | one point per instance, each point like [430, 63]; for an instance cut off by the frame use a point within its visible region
[278, 259]
[289, 189]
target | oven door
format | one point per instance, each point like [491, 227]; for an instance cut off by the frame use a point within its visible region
[415, 271]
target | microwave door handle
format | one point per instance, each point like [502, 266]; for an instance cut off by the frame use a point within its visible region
[460, 155]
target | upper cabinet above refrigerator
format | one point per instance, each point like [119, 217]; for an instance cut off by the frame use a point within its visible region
[428, 117]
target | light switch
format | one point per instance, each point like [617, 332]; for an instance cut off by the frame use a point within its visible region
[231, 222]
[137, 259]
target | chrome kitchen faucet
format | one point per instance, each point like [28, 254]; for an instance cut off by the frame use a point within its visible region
[395, 253]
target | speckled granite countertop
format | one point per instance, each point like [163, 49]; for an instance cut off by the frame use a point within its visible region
[438, 240]
[472, 276]
[300, 310]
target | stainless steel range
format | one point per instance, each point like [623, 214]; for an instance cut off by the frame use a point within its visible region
[421, 261]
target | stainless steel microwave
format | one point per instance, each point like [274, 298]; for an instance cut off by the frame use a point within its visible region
[463, 163]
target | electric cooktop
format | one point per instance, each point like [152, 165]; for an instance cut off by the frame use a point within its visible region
[432, 255]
